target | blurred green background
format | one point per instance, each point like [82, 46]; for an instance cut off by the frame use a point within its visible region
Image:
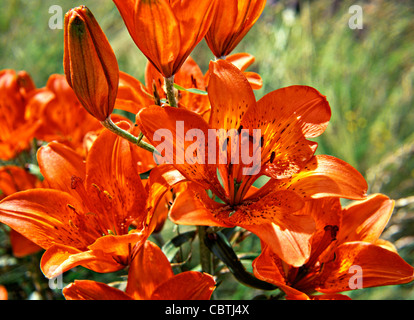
[367, 75]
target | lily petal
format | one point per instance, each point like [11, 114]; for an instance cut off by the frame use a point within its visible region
[194, 20]
[22, 246]
[92, 290]
[113, 181]
[154, 29]
[132, 95]
[323, 176]
[365, 220]
[59, 165]
[329, 176]
[267, 267]
[14, 179]
[378, 267]
[46, 216]
[230, 95]
[189, 285]
[148, 270]
[161, 180]
[193, 207]
[106, 254]
[232, 22]
[176, 125]
[286, 117]
[291, 240]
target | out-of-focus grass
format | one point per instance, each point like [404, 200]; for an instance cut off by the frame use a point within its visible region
[367, 76]
[27, 42]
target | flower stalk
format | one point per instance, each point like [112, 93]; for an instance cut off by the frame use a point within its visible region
[111, 126]
[169, 88]
[205, 253]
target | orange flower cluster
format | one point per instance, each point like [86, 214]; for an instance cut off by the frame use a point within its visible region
[105, 184]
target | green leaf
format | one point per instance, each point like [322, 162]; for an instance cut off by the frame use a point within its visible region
[191, 90]
[171, 248]
[219, 245]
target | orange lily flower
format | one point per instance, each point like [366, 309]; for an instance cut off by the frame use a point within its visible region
[84, 218]
[167, 31]
[14, 179]
[346, 252]
[150, 277]
[286, 118]
[16, 127]
[232, 22]
[89, 62]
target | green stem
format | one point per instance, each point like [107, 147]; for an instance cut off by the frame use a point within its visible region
[108, 123]
[169, 87]
[205, 253]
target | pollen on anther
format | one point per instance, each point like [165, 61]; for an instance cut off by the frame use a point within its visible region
[106, 193]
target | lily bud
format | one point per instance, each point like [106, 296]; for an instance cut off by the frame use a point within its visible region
[233, 20]
[167, 31]
[90, 64]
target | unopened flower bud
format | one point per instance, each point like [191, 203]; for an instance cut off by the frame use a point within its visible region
[90, 64]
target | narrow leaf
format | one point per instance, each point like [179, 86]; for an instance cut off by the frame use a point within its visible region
[191, 90]
[171, 248]
[219, 245]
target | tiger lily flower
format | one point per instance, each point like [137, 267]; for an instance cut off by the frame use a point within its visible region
[12, 180]
[150, 277]
[232, 22]
[85, 215]
[221, 193]
[17, 126]
[167, 31]
[90, 64]
[346, 253]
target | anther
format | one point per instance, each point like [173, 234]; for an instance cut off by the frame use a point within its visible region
[272, 157]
